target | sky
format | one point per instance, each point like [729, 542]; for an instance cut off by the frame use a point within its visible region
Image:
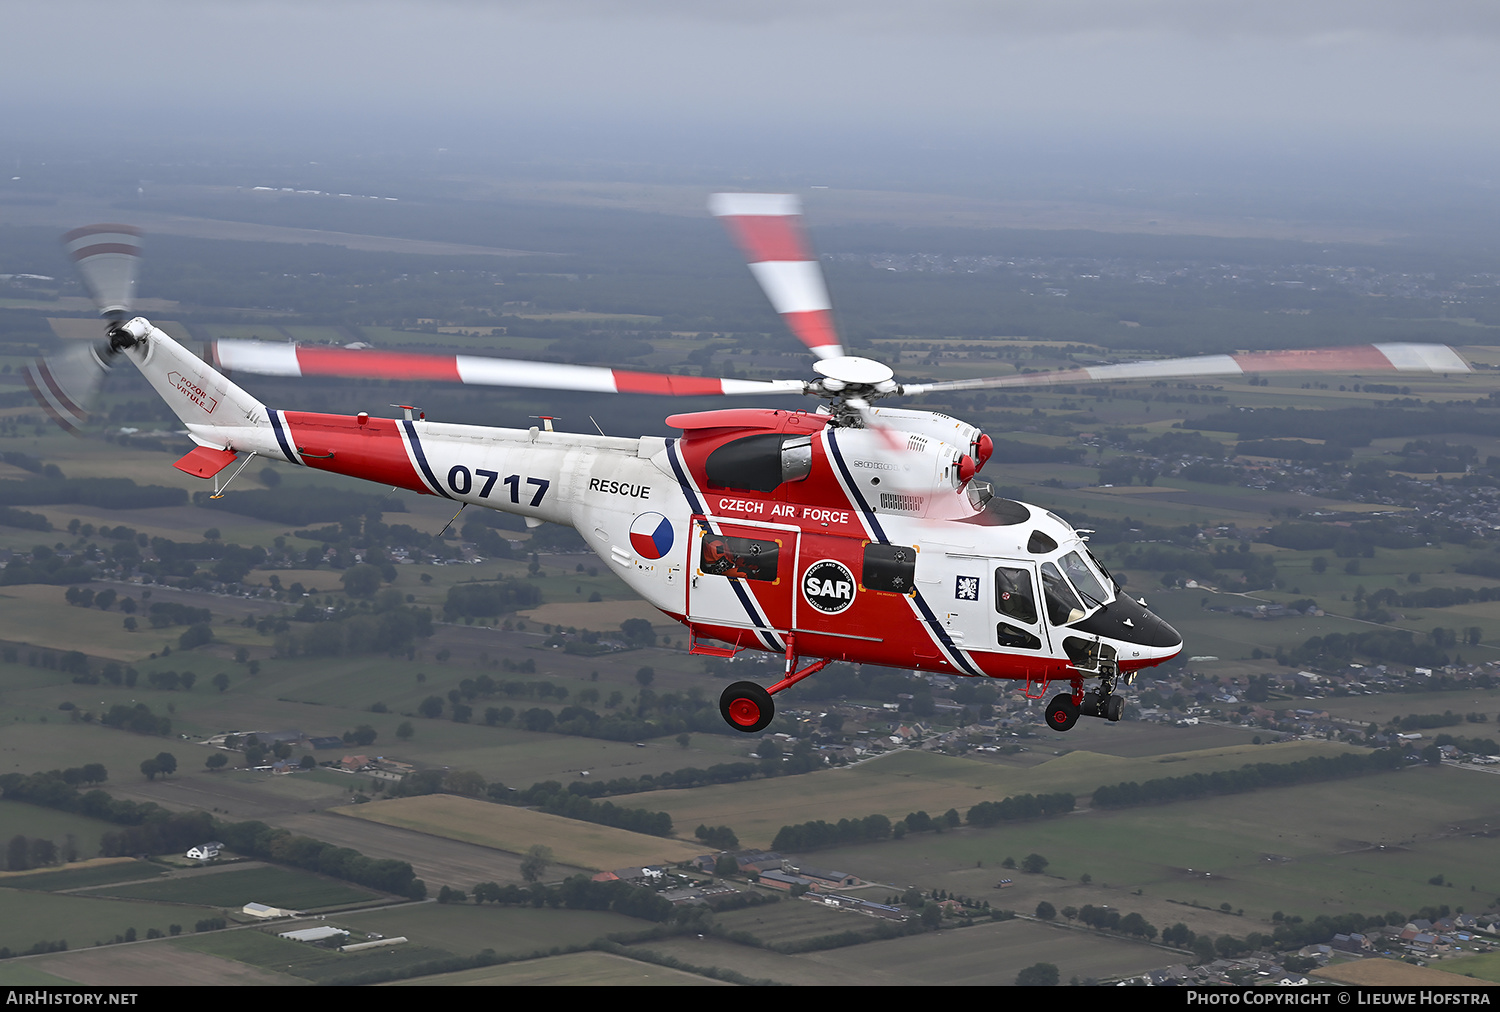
[1405, 78]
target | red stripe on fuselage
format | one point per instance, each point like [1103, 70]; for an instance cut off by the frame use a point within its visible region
[374, 451]
[377, 364]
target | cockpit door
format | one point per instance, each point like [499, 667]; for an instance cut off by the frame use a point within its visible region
[1015, 607]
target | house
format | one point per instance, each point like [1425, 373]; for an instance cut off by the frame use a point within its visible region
[205, 851]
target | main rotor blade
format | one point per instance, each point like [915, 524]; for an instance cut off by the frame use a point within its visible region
[266, 359]
[767, 227]
[108, 258]
[1437, 358]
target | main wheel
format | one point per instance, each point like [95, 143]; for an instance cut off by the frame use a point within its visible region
[1114, 707]
[1062, 712]
[746, 707]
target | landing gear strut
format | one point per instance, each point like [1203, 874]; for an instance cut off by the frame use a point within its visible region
[747, 707]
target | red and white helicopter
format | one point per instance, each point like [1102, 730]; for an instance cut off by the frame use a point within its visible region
[851, 532]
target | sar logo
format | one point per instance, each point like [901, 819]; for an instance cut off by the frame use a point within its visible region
[828, 586]
[651, 535]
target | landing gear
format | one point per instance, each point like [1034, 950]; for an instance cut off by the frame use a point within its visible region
[1114, 707]
[746, 707]
[1062, 712]
[1097, 704]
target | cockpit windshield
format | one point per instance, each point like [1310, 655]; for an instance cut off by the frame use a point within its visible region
[1083, 578]
[1073, 589]
[1063, 605]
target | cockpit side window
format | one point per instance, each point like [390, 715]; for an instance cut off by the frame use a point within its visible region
[1014, 596]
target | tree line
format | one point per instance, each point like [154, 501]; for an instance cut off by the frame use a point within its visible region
[1248, 778]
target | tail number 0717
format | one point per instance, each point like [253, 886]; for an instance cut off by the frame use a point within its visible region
[462, 482]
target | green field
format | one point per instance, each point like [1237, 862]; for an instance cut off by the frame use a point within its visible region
[113, 871]
[81, 921]
[263, 949]
[1367, 845]
[234, 887]
[511, 931]
[19, 818]
[513, 829]
[575, 969]
[904, 782]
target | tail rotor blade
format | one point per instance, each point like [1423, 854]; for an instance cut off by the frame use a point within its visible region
[108, 258]
[66, 385]
[768, 228]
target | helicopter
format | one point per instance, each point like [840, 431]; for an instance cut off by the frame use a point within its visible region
[855, 531]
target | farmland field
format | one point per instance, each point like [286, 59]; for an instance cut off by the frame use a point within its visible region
[575, 969]
[504, 827]
[99, 872]
[32, 917]
[233, 887]
[904, 782]
[511, 931]
[1368, 844]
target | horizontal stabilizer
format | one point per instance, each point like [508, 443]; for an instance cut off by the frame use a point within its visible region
[205, 461]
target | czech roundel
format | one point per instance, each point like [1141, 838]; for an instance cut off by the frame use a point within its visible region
[651, 535]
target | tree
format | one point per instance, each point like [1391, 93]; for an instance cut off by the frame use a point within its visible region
[1034, 864]
[404, 730]
[150, 767]
[645, 676]
[1038, 975]
[1046, 911]
[166, 762]
[432, 707]
[364, 734]
[221, 681]
[216, 761]
[534, 864]
[362, 580]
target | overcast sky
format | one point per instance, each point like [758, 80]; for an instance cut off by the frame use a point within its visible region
[1382, 72]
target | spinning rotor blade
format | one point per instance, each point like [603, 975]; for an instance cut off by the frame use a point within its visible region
[1359, 359]
[66, 384]
[266, 359]
[767, 227]
[108, 258]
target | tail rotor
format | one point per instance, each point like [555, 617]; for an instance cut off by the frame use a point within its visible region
[108, 259]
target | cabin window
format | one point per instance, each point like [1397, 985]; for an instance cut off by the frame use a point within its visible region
[1013, 594]
[1040, 544]
[743, 558]
[891, 568]
[1016, 639]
